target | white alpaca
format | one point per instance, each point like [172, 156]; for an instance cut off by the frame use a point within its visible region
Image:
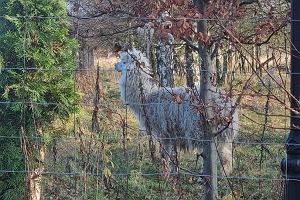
[171, 114]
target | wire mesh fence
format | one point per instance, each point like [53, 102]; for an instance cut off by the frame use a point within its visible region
[101, 152]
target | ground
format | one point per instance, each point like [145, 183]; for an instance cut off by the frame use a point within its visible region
[114, 162]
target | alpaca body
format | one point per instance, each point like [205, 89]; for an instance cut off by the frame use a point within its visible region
[173, 122]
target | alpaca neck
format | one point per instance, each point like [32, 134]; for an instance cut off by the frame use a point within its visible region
[135, 86]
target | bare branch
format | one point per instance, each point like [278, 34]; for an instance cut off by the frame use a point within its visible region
[248, 2]
[110, 33]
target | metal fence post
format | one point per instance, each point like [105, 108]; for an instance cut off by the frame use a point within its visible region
[290, 165]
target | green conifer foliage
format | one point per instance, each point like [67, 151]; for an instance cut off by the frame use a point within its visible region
[37, 60]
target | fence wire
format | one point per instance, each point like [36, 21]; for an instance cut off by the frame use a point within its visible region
[114, 160]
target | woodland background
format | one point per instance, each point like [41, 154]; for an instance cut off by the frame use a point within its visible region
[65, 134]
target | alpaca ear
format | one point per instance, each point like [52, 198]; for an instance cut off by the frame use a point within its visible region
[117, 47]
[120, 47]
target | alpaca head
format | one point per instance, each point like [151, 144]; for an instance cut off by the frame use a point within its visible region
[130, 60]
[135, 77]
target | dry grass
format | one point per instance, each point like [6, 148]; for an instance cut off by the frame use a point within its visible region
[253, 160]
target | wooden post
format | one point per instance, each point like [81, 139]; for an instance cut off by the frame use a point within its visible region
[290, 166]
[189, 64]
[209, 148]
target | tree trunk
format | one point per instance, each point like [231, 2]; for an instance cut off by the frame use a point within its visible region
[34, 175]
[225, 69]
[90, 58]
[230, 58]
[189, 59]
[153, 62]
[146, 34]
[209, 148]
[242, 66]
[148, 41]
[252, 59]
[165, 64]
[257, 54]
[218, 68]
[268, 55]
[86, 56]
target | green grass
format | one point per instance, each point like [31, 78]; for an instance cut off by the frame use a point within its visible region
[131, 173]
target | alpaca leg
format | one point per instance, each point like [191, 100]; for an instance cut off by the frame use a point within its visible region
[174, 159]
[165, 152]
[169, 159]
[199, 159]
[226, 158]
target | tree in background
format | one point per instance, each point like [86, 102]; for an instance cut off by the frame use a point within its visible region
[218, 22]
[37, 59]
[28, 43]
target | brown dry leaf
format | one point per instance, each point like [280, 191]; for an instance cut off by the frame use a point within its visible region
[56, 46]
[194, 110]
[228, 119]
[109, 114]
[178, 98]
[142, 64]
[193, 98]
